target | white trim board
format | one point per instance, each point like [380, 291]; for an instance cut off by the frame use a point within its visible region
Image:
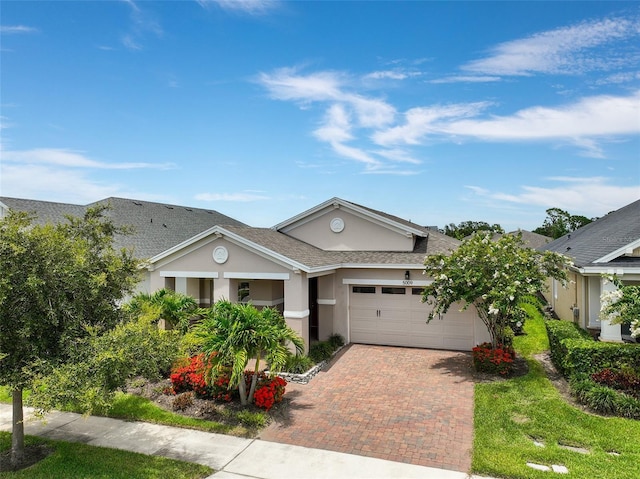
[296, 314]
[240, 275]
[189, 274]
[387, 282]
[328, 302]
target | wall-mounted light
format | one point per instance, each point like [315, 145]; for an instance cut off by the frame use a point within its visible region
[407, 275]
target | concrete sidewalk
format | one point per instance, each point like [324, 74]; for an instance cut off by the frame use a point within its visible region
[231, 457]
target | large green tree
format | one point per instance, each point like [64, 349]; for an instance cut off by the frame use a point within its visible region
[233, 334]
[492, 276]
[467, 228]
[58, 284]
[559, 223]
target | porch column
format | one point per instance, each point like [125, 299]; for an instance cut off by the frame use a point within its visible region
[296, 305]
[222, 290]
[609, 332]
[181, 285]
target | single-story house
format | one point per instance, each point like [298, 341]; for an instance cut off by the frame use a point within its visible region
[338, 267]
[529, 238]
[607, 246]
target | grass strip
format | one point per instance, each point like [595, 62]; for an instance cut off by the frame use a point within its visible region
[511, 414]
[74, 460]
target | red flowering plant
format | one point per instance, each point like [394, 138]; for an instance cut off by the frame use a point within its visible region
[492, 360]
[627, 381]
[188, 374]
[269, 390]
[219, 385]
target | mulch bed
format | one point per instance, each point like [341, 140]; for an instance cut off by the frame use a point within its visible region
[32, 455]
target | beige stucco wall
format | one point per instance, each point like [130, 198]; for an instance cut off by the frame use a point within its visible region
[359, 234]
[200, 258]
[565, 299]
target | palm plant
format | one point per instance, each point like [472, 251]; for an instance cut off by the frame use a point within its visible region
[234, 333]
[175, 308]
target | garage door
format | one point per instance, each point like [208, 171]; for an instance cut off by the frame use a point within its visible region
[395, 316]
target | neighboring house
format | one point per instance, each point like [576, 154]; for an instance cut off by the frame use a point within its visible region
[336, 268]
[529, 238]
[609, 245]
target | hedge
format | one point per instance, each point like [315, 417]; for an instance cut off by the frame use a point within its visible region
[577, 356]
[574, 351]
[558, 331]
[593, 356]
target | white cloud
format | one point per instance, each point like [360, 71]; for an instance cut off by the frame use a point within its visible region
[71, 159]
[582, 123]
[337, 126]
[624, 77]
[567, 50]
[394, 74]
[421, 121]
[398, 155]
[251, 7]
[242, 197]
[347, 111]
[467, 79]
[14, 29]
[130, 43]
[593, 196]
[40, 181]
[142, 23]
[387, 74]
[286, 84]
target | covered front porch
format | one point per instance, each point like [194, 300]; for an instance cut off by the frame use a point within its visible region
[306, 302]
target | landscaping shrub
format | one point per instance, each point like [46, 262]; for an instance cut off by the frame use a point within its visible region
[627, 406]
[558, 332]
[587, 356]
[219, 387]
[321, 351]
[252, 419]
[336, 341]
[508, 334]
[580, 385]
[190, 344]
[298, 364]
[269, 389]
[188, 375]
[625, 380]
[601, 399]
[182, 401]
[604, 399]
[494, 361]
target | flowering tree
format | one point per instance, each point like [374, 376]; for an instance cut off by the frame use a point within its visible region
[492, 276]
[621, 305]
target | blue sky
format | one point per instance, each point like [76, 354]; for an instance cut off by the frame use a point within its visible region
[438, 112]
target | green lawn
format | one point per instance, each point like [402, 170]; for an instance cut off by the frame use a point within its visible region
[75, 460]
[510, 414]
[135, 408]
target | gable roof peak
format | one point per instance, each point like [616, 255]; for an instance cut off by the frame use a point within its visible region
[375, 215]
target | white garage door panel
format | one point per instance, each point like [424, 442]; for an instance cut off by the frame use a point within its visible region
[400, 320]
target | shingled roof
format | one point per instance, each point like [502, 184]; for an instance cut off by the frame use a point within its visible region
[313, 257]
[160, 227]
[601, 238]
[156, 226]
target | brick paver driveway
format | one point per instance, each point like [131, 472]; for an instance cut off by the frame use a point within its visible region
[400, 404]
